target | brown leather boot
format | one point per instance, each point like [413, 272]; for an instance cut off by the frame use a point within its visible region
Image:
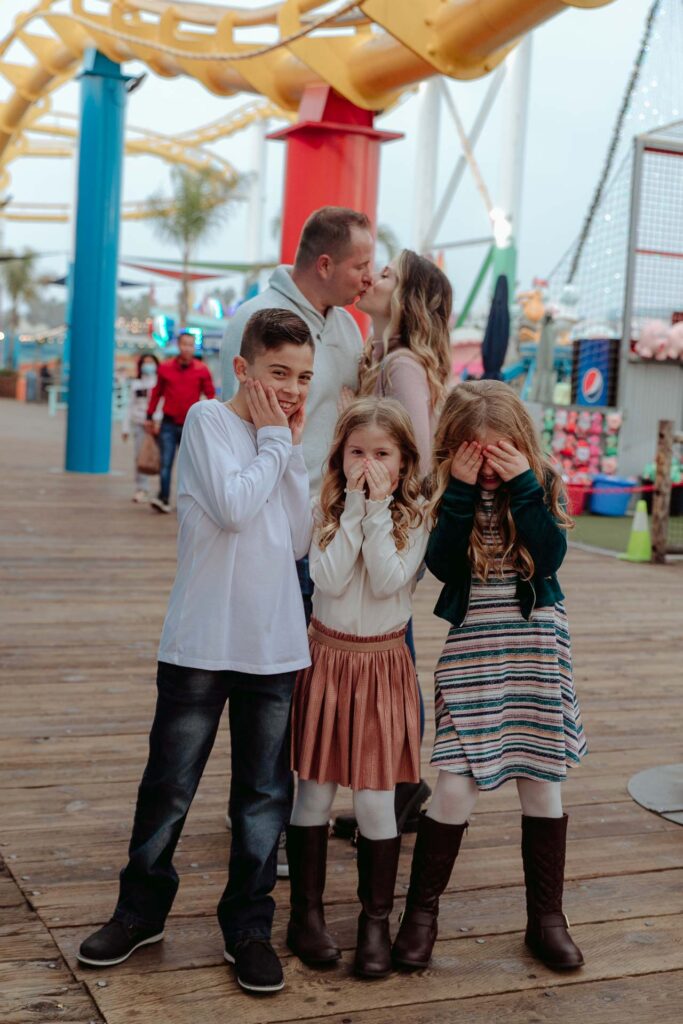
[544, 841]
[307, 933]
[436, 848]
[377, 867]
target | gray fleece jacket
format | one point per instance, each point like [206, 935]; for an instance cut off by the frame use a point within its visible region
[338, 347]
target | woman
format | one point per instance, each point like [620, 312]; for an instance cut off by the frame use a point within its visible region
[135, 416]
[408, 355]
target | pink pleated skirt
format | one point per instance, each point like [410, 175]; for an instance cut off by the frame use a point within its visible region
[355, 711]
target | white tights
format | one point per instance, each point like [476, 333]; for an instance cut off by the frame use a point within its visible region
[455, 797]
[374, 809]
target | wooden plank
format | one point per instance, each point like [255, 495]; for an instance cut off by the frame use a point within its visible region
[646, 1000]
[68, 902]
[99, 854]
[465, 967]
[195, 941]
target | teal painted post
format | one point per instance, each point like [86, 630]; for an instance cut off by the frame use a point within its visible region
[91, 356]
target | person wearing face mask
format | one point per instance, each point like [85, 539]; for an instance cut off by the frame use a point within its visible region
[135, 416]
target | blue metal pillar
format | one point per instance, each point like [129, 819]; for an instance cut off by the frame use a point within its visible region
[100, 162]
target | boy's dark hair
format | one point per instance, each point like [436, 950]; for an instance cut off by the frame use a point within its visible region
[270, 329]
[328, 231]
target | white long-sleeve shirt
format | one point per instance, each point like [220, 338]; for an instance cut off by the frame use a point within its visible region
[363, 584]
[243, 518]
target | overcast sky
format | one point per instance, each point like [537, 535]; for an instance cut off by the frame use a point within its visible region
[581, 61]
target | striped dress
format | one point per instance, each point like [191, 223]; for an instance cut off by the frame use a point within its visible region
[505, 703]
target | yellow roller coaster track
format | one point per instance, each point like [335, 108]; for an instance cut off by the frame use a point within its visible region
[369, 50]
[187, 149]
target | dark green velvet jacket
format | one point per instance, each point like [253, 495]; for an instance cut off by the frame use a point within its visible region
[447, 557]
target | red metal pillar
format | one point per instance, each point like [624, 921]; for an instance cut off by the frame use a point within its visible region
[332, 160]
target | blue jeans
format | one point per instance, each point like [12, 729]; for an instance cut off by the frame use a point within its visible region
[169, 439]
[306, 585]
[190, 702]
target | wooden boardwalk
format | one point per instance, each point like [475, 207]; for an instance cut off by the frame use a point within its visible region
[85, 576]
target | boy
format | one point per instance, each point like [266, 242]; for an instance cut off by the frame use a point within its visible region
[235, 630]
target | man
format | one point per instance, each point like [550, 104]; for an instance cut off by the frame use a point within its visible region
[332, 267]
[181, 382]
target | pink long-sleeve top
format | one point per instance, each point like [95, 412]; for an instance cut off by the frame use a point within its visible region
[404, 378]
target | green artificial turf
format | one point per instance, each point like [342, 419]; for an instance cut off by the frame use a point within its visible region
[610, 532]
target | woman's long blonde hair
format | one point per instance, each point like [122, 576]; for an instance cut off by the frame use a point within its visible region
[472, 409]
[420, 310]
[406, 509]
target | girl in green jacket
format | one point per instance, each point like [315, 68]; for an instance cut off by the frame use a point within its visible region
[505, 703]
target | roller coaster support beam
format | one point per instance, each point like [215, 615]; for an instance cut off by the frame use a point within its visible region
[100, 163]
[512, 163]
[332, 160]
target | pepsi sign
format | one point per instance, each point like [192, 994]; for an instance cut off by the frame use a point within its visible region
[593, 386]
[594, 371]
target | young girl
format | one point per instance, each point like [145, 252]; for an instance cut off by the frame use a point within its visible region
[505, 703]
[355, 718]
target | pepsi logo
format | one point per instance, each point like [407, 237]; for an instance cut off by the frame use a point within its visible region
[592, 384]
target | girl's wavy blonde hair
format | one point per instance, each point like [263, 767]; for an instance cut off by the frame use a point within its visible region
[406, 509]
[420, 310]
[472, 410]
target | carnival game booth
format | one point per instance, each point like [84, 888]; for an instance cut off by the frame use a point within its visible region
[650, 384]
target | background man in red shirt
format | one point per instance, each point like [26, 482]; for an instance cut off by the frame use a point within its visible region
[181, 382]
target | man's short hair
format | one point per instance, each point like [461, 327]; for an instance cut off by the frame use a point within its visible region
[328, 231]
[270, 329]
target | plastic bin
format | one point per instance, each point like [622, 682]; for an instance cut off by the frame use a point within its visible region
[605, 504]
[577, 495]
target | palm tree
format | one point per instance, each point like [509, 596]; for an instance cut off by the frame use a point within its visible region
[388, 240]
[200, 202]
[18, 278]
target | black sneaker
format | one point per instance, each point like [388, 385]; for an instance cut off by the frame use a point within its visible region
[114, 943]
[257, 965]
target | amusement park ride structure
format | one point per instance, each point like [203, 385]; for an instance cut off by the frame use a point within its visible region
[188, 149]
[337, 68]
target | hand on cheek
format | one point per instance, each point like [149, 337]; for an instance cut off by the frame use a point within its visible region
[297, 422]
